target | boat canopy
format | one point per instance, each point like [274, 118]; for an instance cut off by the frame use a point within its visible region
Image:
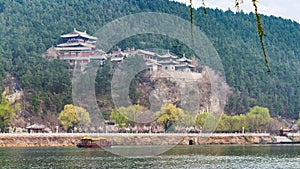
[86, 138]
[91, 138]
[99, 138]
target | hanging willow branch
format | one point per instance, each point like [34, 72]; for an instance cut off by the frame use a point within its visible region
[191, 20]
[261, 33]
[204, 8]
[260, 29]
[237, 4]
[191, 16]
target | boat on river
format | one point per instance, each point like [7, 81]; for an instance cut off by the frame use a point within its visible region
[92, 142]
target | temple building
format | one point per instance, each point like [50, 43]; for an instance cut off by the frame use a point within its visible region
[155, 61]
[184, 65]
[78, 48]
[169, 62]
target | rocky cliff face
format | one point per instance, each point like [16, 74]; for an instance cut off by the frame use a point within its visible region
[193, 92]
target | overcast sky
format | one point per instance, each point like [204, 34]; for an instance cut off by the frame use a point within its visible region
[288, 9]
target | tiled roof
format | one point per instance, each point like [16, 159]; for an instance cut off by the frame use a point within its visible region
[73, 49]
[168, 62]
[77, 33]
[145, 52]
[75, 44]
[36, 126]
[184, 59]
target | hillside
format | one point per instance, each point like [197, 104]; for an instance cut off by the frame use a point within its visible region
[29, 27]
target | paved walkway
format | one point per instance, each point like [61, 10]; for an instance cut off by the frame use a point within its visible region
[131, 134]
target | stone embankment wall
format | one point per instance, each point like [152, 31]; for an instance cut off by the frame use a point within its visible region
[294, 136]
[33, 140]
[228, 139]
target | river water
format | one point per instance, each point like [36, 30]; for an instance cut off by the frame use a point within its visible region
[200, 156]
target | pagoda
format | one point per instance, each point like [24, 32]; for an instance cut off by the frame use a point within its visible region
[185, 64]
[77, 48]
[169, 62]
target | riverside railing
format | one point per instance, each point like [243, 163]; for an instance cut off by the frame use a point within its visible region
[131, 134]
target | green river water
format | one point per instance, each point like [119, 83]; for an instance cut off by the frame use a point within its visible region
[201, 156]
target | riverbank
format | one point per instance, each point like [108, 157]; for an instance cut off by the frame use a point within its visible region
[294, 136]
[70, 139]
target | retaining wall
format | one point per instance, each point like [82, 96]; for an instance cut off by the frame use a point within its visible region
[64, 139]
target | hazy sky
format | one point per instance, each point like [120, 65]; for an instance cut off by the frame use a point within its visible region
[288, 9]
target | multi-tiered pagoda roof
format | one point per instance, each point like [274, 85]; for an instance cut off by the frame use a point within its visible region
[77, 47]
[77, 34]
[77, 41]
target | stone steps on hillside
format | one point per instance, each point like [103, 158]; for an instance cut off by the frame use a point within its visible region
[281, 139]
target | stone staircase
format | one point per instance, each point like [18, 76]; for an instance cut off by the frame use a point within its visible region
[281, 139]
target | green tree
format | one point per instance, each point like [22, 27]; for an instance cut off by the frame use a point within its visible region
[118, 115]
[261, 112]
[205, 121]
[201, 119]
[126, 115]
[258, 118]
[239, 122]
[72, 116]
[224, 123]
[7, 113]
[187, 120]
[168, 115]
[133, 113]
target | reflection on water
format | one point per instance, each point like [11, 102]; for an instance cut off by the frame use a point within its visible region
[210, 156]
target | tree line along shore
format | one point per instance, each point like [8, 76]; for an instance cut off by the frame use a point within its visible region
[171, 118]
